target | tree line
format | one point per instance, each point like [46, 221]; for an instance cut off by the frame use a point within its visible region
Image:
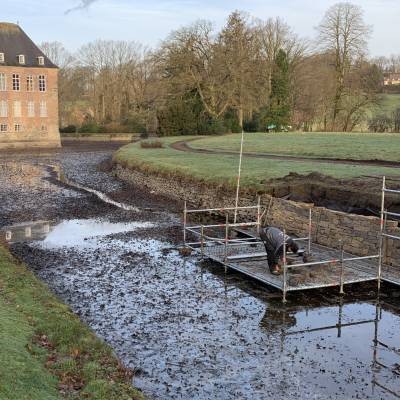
[252, 74]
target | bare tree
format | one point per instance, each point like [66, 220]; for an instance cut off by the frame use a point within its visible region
[58, 54]
[188, 60]
[344, 33]
[240, 61]
[275, 35]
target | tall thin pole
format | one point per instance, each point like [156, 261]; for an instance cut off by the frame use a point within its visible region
[381, 233]
[309, 231]
[259, 215]
[238, 177]
[226, 239]
[341, 267]
[284, 267]
[184, 223]
[202, 241]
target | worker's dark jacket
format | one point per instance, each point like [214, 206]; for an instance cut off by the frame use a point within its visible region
[273, 242]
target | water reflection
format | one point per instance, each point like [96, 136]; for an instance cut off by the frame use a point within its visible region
[375, 338]
[342, 347]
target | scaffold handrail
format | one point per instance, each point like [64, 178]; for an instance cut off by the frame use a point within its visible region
[391, 191]
[391, 236]
[332, 261]
[222, 225]
[392, 213]
[221, 209]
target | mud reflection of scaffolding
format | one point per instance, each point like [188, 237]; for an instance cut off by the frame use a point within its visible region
[378, 344]
[245, 252]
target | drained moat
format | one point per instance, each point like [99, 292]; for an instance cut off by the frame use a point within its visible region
[187, 329]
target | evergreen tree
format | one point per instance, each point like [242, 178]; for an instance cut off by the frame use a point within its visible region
[278, 111]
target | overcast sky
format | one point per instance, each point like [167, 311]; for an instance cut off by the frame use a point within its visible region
[75, 22]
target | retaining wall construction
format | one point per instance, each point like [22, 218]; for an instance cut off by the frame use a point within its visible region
[359, 234]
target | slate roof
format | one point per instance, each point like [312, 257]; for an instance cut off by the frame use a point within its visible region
[14, 42]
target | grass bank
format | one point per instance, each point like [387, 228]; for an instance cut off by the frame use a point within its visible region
[357, 146]
[46, 352]
[219, 168]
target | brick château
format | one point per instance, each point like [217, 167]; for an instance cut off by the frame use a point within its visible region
[28, 92]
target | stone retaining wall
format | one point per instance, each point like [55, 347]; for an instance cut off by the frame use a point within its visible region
[359, 234]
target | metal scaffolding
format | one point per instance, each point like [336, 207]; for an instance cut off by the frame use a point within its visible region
[386, 272]
[245, 252]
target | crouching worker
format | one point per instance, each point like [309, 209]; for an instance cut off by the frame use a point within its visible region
[273, 241]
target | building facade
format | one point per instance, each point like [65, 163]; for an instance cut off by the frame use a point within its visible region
[391, 79]
[28, 93]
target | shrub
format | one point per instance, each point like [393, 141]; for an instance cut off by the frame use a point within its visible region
[151, 144]
[144, 135]
[68, 129]
[91, 127]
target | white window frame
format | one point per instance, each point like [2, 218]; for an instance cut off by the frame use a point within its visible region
[31, 109]
[17, 127]
[30, 83]
[3, 82]
[16, 82]
[17, 108]
[3, 109]
[3, 128]
[2, 57]
[21, 59]
[40, 60]
[43, 109]
[42, 83]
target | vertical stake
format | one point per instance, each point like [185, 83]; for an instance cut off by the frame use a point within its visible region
[184, 223]
[381, 233]
[226, 239]
[259, 215]
[309, 231]
[238, 177]
[202, 242]
[284, 268]
[341, 267]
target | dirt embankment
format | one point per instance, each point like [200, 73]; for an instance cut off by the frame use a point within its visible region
[359, 233]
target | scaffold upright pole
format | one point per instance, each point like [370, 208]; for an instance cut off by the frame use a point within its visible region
[341, 267]
[226, 239]
[184, 223]
[202, 241]
[284, 268]
[238, 177]
[309, 230]
[381, 233]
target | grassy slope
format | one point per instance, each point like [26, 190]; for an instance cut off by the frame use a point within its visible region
[367, 146]
[389, 102]
[223, 168]
[45, 351]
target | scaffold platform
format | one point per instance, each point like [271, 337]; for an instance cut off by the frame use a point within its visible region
[237, 246]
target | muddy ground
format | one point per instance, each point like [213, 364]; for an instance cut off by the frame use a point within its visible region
[187, 329]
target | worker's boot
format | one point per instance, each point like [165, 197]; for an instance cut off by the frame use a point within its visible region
[275, 270]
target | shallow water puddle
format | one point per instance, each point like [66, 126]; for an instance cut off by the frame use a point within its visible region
[86, 233]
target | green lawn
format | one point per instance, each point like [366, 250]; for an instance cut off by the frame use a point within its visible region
[389, 103]
[223, 168]
[45, 351]
[359, 146]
